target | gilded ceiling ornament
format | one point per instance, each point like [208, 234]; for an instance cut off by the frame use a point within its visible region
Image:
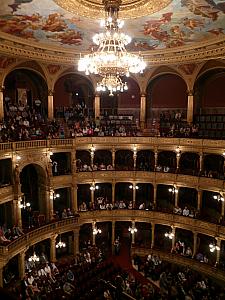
[129, 8]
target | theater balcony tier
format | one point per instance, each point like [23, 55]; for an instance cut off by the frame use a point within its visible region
[74, 223]
[185, 144]
[181, 260]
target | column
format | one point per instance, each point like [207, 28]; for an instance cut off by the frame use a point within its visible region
[195, 239]
[155, 196]
[92, 158]
[113, 158]
[74, 197]
[135, 158]
[76, 241]
[190, 107]
[218, 243]
[134, 195]
[50, 105]
[92, 196]
[113, 192]
[53, 248]
[73, 162]
[21, 264]
[222, 205]
[156, 159]
[49, 204]
[17, 219]
[153, 235]
[1, 103]
[200, 162]
[133, 235]
[178, 160]
[93, 235]
[176, 195]
[199, 200]
[174, 237]
[97, 106]
[142, 111]
[113, 235]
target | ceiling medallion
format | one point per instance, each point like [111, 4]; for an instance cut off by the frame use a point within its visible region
[111, 61]
[129, 8]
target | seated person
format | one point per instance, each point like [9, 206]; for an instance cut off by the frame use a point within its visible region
[186, 212]
[83, 206]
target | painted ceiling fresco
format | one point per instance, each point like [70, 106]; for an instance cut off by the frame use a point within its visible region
[181, 23]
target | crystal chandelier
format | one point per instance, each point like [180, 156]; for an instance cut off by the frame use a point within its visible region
[111, 61]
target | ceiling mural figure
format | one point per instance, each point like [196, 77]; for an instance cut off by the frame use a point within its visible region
[176, 23]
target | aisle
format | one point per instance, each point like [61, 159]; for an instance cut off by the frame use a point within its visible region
[124, 261]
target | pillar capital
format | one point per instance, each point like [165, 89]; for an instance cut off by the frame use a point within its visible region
[190, 92]
[50, 92]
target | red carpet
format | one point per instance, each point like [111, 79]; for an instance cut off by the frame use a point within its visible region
[124, 261]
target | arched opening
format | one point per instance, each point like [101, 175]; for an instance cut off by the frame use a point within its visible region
[189, 163]
[123, 195]
[83, 196]
[183, 242]
[33, 187]
[74, 97]
[143, 236]
[145, 160]
[124, 160]
[102, 159]
[209, 96]
[83, 160]
[213, 166]
[166, 101]
[5, 172]
[26, 94]
[211, 207]
[166, 161]
[144, 196]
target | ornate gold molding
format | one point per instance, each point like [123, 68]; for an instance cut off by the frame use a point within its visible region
[128, 9]
[19, 47]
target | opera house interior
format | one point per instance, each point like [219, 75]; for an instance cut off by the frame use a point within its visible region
[112, 149]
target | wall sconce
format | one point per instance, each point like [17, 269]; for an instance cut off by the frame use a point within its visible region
[223, 153]
[34, 258]
[95, 230]
[94, 187]
[173, 190]
[60, 244]
[169, 235]
[23, 204]
[134, 187]
[18, 157]
[92, 149]
[213, 247]
[132, 229]
[54, 195]
[218, 198]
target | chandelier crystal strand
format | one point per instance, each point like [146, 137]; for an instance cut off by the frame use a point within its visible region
[111, 61]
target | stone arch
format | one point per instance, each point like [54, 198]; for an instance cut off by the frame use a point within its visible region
[210, 83]
[32, 80]
[29, 65]
[33, 181]
[73, 88]
[162, 93]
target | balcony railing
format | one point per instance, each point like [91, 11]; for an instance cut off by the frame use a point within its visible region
[181, 260]
[66, 225]
[37, 235]
[199, 144]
